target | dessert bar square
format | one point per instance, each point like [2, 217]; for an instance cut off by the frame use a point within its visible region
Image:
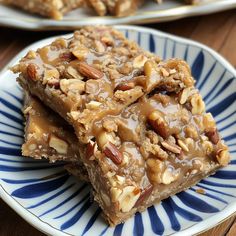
[96, 73]
[156, 147]
[51, 8]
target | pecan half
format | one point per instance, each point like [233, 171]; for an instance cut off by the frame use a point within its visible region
[32, 72]
[89, 71]
[90, 149]
[158, 124]
[171, 147]
[66, 56]
[125, 86]
[144, 195]
[213, 135]
[111, 151]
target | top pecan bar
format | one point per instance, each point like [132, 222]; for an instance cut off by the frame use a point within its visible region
[96, 73]
[156, 147]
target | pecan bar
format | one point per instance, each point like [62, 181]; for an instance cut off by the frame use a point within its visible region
[47, 135]
[50, 8]
[95, 73]
[115, 7]
[155, 148]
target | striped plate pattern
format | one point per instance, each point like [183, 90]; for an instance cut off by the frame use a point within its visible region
[57, 204]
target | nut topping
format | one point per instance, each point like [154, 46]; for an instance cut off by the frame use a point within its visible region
[149, 68]
[91, 149]
[185, 95]
[154, 170]
[183, 145]
[171, 147]
[158, 124]
[208, 147]
[89, 71]
[80, 52]
[125, 86]
[128, 198]
[208, 121]
[169, 176]
[111, 151]
[67, 56]
[144, 195]
[51, 77]
[32, 72]
[198, 106]
[72, 85]
[115, 193]
[164, 72]
[139, 61]
[213, 135]
[223, 157]
[93, 105]
[73, 72]
[104, 138]
[58, 144]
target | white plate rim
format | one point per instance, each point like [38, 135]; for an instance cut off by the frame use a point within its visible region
[48, 229]
[143, 17]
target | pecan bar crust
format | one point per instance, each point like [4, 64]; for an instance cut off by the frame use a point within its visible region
[95, 73]
[50, 8]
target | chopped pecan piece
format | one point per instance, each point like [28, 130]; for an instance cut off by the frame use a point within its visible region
[171, 147]
[125, 86]
[89, 71]
[213, 135]
[32, 72]
[158, 124]
[58, 144]
[111, 151]
[144, 195]
[128, 198]
[223, 157]
[90, 149]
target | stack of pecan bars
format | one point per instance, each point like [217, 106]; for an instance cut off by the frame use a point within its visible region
[132, 125]
[55, 9]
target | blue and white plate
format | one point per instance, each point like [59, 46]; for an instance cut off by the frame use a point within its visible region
[55, 203]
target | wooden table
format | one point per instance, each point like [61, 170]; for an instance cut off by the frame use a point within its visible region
[217, 31]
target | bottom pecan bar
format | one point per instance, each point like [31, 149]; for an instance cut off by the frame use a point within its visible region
[47, 134]
[155, 148]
